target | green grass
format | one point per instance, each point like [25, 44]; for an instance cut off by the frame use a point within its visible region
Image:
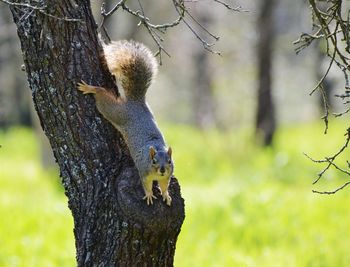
[245, 206]
[36, 228]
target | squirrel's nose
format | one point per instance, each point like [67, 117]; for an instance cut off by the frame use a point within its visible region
[162, 170]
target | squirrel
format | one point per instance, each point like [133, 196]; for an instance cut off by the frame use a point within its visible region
[134, 66]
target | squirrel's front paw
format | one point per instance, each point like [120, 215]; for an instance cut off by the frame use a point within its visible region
[149, 197]
[167, 198]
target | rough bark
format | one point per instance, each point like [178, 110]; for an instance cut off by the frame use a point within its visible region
[265, 116]
[113, 226]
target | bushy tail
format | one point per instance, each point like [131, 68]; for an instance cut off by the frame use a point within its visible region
[134, 66]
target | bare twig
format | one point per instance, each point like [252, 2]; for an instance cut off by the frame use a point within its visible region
[202, 27]
[326, 108]
[207, 46]
[331, 25]
[237, 9]
[330, 160]
[319, 84]
[157, 30]
[40, 9]
[341, 113]
[331, 192]
[323, 22]
[114, 9]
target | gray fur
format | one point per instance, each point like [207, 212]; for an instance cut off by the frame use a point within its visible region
[133, 117]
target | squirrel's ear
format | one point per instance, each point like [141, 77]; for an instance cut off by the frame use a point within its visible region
[152, 152]
[170, 151]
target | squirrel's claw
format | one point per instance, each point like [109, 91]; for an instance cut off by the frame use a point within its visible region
[149, 197]
[82, 83]
[85, 88]
[167, 199]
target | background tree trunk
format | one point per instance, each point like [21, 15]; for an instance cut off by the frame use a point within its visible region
[204, 100]
[12, 82]
[113, 226]
[327, 83]
[265, 116]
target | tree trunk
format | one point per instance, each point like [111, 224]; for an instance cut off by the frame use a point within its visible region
[204, 100]
[113, 226]
[265, 119]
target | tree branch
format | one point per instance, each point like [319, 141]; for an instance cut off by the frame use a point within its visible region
[330, 26]
[237, 9]
[40, 9]
[156, 30]
[330, 160]
[331, 192]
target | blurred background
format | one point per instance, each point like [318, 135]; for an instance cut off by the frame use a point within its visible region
[238, 124]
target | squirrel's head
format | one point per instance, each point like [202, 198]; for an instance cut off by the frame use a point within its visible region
[161, 161]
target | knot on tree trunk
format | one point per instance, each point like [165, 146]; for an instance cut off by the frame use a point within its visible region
[158, 216]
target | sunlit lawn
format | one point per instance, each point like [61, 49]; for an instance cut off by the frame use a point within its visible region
[245, 206]
[35, 222]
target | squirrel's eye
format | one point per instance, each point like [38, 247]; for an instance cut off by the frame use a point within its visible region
[154, 161]
[169, 161]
